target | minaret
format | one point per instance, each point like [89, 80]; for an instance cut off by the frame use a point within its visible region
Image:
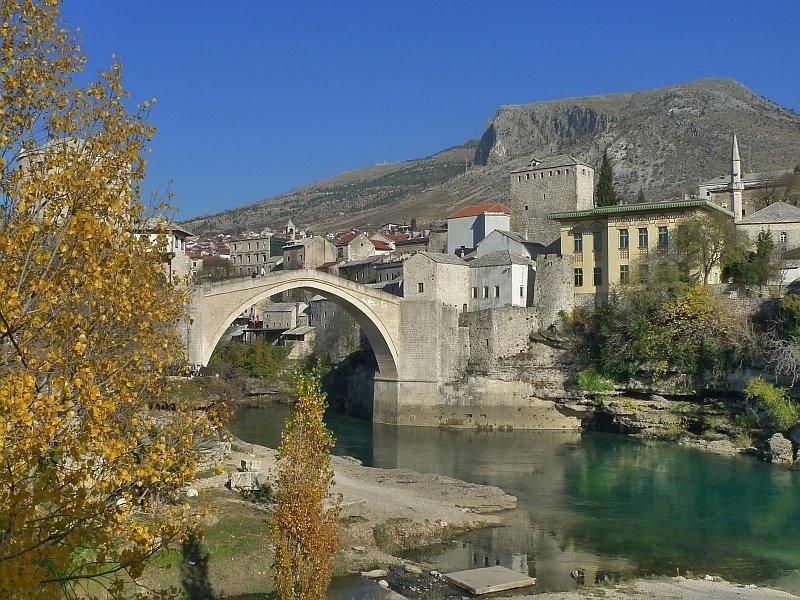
[737, 187]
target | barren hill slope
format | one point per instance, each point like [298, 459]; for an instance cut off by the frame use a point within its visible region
[664, 141]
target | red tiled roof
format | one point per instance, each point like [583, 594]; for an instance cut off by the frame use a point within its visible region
[395, 237]
[380, 245]
[479, 209]
[346, 238]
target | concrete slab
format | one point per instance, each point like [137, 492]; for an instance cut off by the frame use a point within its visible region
[488, 580]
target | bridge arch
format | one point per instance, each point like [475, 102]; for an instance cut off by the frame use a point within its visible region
[216, 306]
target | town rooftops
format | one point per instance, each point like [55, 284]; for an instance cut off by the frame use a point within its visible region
[448, 259]
[550, 162]
[777, 212]
[381, 245]
[621, 209]
[499, 258]
[762, 177]
[480, 209]
[299, 243]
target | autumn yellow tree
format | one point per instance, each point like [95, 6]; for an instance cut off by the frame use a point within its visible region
[305, 533]
[88, 479]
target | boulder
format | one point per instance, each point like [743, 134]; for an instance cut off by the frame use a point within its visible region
[375, 573]
[779, 449]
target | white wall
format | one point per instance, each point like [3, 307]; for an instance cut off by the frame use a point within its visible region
[509, 278]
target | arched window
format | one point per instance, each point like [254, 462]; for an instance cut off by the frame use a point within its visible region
[783, 237]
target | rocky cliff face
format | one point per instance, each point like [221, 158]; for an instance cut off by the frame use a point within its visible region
[663, 141]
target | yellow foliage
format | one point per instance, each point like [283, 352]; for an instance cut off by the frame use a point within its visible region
[87, 329]
[305, 534]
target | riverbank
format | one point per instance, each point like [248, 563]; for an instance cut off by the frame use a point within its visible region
[383, 512]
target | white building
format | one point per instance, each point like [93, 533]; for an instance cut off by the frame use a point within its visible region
[467, 226]
[176, 260]
[501, 279]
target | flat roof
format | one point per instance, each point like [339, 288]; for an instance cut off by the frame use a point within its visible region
[634, 208]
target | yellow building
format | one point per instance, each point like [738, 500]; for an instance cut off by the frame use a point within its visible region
[607, 243]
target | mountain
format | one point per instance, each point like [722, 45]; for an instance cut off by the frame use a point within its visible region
[663, 141]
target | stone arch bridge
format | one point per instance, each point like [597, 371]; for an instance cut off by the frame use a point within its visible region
[417, 345]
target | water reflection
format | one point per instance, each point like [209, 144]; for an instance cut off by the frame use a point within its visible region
[599, 504]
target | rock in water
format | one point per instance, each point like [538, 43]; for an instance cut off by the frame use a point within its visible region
[780, 449]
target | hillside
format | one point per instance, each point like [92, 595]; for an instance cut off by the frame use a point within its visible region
[664, 141]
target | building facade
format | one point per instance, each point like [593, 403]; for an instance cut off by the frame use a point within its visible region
[554, 184]
[437, 277]
[250, 255]
[609, 243]
[467, 226]
[501, 278]
[308, 253]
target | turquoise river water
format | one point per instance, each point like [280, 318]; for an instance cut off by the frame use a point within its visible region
[610, 505]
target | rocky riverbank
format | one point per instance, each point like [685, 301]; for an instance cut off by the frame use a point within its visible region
[383, 512]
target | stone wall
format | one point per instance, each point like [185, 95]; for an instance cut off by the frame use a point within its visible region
[554, 289]
[497, 333]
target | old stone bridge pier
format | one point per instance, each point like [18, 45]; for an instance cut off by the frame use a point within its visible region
[417, 345]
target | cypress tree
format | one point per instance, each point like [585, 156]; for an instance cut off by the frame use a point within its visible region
[605, 195]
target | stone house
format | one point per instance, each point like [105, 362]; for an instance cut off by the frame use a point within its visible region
[501, 278]
[354, 245]
[389, 276]
[510, 241]
[467, 226]
[250, 255]
[554, 184]
[438, 277]
[361, 271]
[336, 332]
[608, 243]
[284, 315]
[308, 253]
[782, 220]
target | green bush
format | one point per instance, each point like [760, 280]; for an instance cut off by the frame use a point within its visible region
[254, 359]
[745, 420]
[593, 382]
[781, 411]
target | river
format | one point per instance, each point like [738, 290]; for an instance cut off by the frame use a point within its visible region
[607, 504]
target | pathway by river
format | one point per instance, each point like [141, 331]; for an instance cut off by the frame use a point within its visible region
[605, 504]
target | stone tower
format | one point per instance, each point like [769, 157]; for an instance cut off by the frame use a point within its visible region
[737, 185]
[554, 184]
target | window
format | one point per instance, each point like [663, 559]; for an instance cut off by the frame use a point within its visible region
[558, 171]
[526, 207]
[783, 237]
[623, 273]
[578, 277]
[527, 176]
[663, 237]
[521, 292]
[420, 287]
[497, 291]
[578, 242]
[598, 276]
[549, 173]
[464, 309]
[474, 292]
[583, 171]
[519, 177]
[623, 239]
[597, 241]
[486, 291]
[643, 237]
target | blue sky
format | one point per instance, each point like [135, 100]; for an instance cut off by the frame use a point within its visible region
[257, 97]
